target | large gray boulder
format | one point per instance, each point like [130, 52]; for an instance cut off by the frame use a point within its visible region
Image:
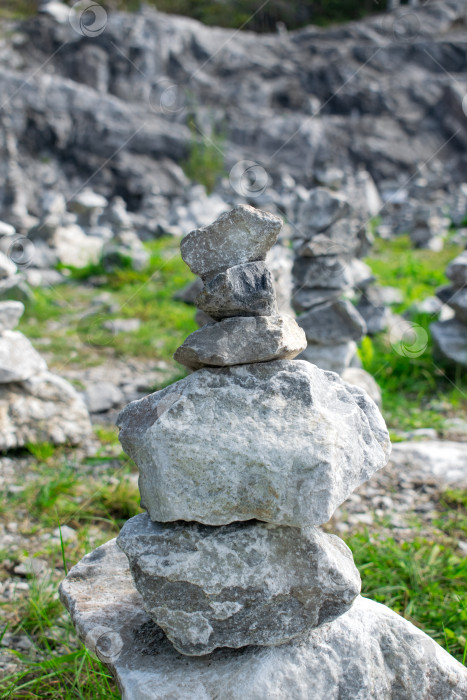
[197, 449]
[44, 408]
[242, 340]
[333, 322]
[241, 235]
[450, 341]
[245, 583]
[242, 290]
[368, 653]
[18, 359]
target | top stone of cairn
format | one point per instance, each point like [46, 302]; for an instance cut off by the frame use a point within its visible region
[242, 235]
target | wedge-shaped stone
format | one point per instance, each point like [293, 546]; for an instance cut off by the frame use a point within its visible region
[450, 341]
[241, 584]
[334, 322]
[322, 209]
[305, 298]
[278, 441]
[457, 270]
[242, 290]
[241, 235]
[332, 358]
[325, 272]
[18, 359]
[368, 653]
[456, 299]
[242, 340]
[10, 314]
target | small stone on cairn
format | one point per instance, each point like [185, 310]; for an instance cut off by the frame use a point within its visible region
[450, 337]
[226, 587]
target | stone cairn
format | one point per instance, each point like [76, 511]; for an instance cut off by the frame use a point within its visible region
[226, 587]
[35, 405]
[450, 337]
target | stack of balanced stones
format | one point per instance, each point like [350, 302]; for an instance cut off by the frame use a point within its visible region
[450, 337]
[242, 460]
[327, 240]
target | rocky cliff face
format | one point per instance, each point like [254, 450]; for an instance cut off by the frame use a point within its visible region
[112, 109]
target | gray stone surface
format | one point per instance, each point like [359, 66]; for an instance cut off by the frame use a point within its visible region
[332, 358]
[457, 270]
[44, 408]
[10, 314]
[368, 653]
[241, 235]
[376, 317]
[242, 290]
[363, 379]
[450, 341]
[18, 359]
[304, 299]
[7, 267]
[196, 444]
[189, 293]
[242, 340]
[443, 460]
[241, 584]
[322, 245]
[456, 299]
[325, 272]
[322, 208]
[102, 396]
[334, 322]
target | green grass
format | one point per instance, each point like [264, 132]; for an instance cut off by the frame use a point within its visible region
[418, 391]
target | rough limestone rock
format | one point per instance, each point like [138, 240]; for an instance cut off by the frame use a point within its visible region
[450, 341]
[457, 300]
[334, 322]
[332, 358]
[10, 314]
[425, 460]
[325, 272]
[368, 653]
[241, 235]
[322, 208]
[322, 245]
[304, 299]
[44, 408]
[18, 359]
[242, 340]
[363, 379]
[196, 444]
[457, 270]
[245, 583]
[242, 290]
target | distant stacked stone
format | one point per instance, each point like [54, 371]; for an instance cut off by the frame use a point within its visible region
[35, 405]
[241, 461]
[450, 337]
[327, 241]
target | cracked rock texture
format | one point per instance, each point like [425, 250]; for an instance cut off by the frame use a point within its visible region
[368, 653]
[242, 290]
[240, 584]
[242, 340]
[241, 235]
[197, 449]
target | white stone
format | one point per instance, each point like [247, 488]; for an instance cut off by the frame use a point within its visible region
[368, 653]
[10, 314]
[18, 359]
[445, 461]
[362, 378]
[7, 266]
[277, 441]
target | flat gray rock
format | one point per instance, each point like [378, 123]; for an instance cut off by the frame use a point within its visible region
[10, 314]
[368, 653]
[450, 341]
[332, 358]
[322, 245]
[333, 322]
[456, 299]
[305, 298]
[241, 235]
[242, 340]
[197, 448]
[457, 270]
[324, 272]
[18, 359]
[240, 584]
[322, 208]
[44, 408]
[242, 290]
